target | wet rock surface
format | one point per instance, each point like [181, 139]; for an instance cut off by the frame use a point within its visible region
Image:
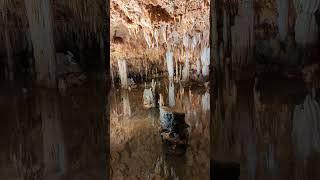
[137, 151]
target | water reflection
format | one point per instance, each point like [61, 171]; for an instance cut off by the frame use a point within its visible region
[48, 136]
[136, 148]
[268, 124]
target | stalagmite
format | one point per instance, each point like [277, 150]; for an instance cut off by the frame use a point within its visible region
[306, 127]
[122, 65]
[205, 61]
[306, 28]
[243, 35]
[170, 67]
[172, 102]
[283, 12]
[40, 20]
[186, 69]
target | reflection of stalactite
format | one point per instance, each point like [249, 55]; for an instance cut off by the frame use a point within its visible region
[283, 11]
[306, 127]
[126, 103]
[40, 23]
[54, 147]
[243, 35]
[306, 28]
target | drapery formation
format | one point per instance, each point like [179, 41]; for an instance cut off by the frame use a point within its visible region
[243, 35]
[306, 28]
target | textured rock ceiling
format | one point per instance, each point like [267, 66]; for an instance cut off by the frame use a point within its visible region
[133, 20]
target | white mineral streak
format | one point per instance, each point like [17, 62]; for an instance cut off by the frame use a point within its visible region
[53, 143]
[122, 66]
[170, 67]
[172, 102]
[306, 126]
[205, 61]
[243, 35]
[283, 13]
[306, 28]
[186, 69]
[40, 23]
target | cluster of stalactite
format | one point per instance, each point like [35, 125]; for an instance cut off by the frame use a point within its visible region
[42, 27]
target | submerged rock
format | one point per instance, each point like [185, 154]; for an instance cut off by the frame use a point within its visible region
[174, 132]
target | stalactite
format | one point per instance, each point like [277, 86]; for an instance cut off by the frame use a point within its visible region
[148, 39]
[172, 102]
[156, 37]
[163, 33]
[194, 42]
[122, 66]
[205, 101]
[306, 28]
[205, 61]
[306, 127]
[283, 13]
[186, 41]
[186, 69]
[226, 29]
[170, 67]
[177, 70]
[198, 67]
[40, 20]
[243, 35]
